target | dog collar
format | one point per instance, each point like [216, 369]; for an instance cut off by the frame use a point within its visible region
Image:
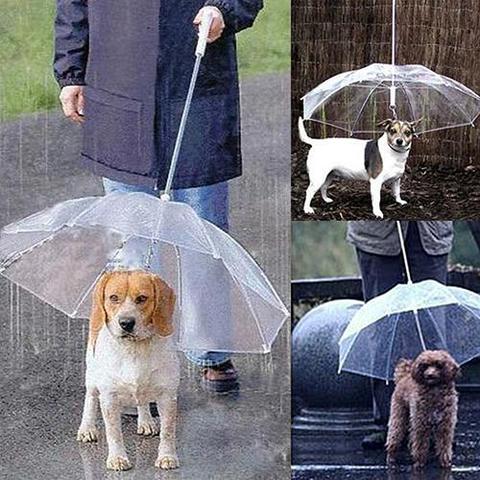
[404, 150]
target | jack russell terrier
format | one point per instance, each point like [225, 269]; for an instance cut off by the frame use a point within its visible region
[376, 161]
[131, 361]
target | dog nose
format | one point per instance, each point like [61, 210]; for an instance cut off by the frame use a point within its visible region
[127, 324]
[399, 142]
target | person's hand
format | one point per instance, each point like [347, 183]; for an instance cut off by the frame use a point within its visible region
[217, 26]
[73, 102]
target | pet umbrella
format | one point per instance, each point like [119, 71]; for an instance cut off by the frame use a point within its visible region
[407, 320]
[224, 300]
[356, 101]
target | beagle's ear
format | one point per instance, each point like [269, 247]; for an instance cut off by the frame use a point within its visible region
[98, 316]
[164, 307]
[385, 124]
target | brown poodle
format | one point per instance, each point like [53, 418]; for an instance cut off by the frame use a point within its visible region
[424, 404]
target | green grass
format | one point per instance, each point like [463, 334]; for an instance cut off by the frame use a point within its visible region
[26, 40]
[26, 50]
[265, 48]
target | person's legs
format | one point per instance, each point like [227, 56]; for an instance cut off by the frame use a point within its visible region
[210, 203]
[379, 274]
[112, 186]
[422, 265]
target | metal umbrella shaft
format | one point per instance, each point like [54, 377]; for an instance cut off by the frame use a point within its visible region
[199, 54]
[409, 281]
[394, 31]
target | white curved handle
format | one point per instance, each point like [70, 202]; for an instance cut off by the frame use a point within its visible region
[203, 31]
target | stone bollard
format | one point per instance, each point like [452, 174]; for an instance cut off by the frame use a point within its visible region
[333, 410]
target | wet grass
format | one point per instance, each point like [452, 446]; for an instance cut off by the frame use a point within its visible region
[266, 47]
[26, 39]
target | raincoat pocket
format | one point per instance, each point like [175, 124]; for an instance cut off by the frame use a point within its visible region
[114, 137]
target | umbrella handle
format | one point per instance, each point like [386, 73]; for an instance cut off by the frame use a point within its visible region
[393, 97]
[203, 31]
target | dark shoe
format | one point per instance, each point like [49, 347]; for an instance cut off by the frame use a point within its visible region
[375, 440]
[220, 378]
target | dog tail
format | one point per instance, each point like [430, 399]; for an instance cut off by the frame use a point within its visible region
[303, 133]
[403, 369]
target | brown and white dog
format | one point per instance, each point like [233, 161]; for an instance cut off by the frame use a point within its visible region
[375, 161]
[424, 406]
[130, 361]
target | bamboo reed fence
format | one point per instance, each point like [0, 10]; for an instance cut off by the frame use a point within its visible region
[332, 36]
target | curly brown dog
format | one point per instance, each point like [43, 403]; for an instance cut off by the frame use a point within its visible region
[424, 405]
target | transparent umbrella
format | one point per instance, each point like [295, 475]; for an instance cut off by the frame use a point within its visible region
[224, 300]
[356, 101]
[407, 320]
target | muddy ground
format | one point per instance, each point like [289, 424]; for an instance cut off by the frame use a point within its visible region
[433, 192]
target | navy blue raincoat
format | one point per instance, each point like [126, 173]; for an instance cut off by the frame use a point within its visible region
[135, 59]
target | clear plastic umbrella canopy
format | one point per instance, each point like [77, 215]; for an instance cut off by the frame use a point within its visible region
[357, 100]
[224, 300]
[407, 320]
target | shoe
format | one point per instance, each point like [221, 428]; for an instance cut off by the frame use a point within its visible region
[220, 378]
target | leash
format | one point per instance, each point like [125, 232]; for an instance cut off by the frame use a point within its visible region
[409, 280]
[204, 29]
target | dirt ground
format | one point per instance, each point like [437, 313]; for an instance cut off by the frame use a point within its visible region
[432, 192]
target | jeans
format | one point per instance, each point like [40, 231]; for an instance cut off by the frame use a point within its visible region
[210, 203]
[381, 273]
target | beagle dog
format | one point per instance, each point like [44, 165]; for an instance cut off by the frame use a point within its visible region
[376, 161]
[131, 361]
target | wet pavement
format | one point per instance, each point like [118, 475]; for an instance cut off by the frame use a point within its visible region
[42, 352]
[334, 460]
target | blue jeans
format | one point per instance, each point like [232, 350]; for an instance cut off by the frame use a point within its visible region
[210, 203]
[380, 274]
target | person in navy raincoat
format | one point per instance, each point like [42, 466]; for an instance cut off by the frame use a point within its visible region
[124, 69]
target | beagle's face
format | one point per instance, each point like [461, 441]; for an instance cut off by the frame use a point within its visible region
[135, 305]
[399, 134]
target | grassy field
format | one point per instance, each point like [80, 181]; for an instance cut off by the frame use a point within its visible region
[26, 39]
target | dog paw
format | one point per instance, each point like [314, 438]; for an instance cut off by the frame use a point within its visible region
[378, 213]
[87, 435]
[167, 462]
[148, 428]
[309, 210]
[328, 200]
[419, 465]
[445, 461]
[118, 463]
[390, 459]
[401, 202]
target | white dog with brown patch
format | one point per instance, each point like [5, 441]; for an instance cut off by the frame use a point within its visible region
[376, 161]
[131, 361]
